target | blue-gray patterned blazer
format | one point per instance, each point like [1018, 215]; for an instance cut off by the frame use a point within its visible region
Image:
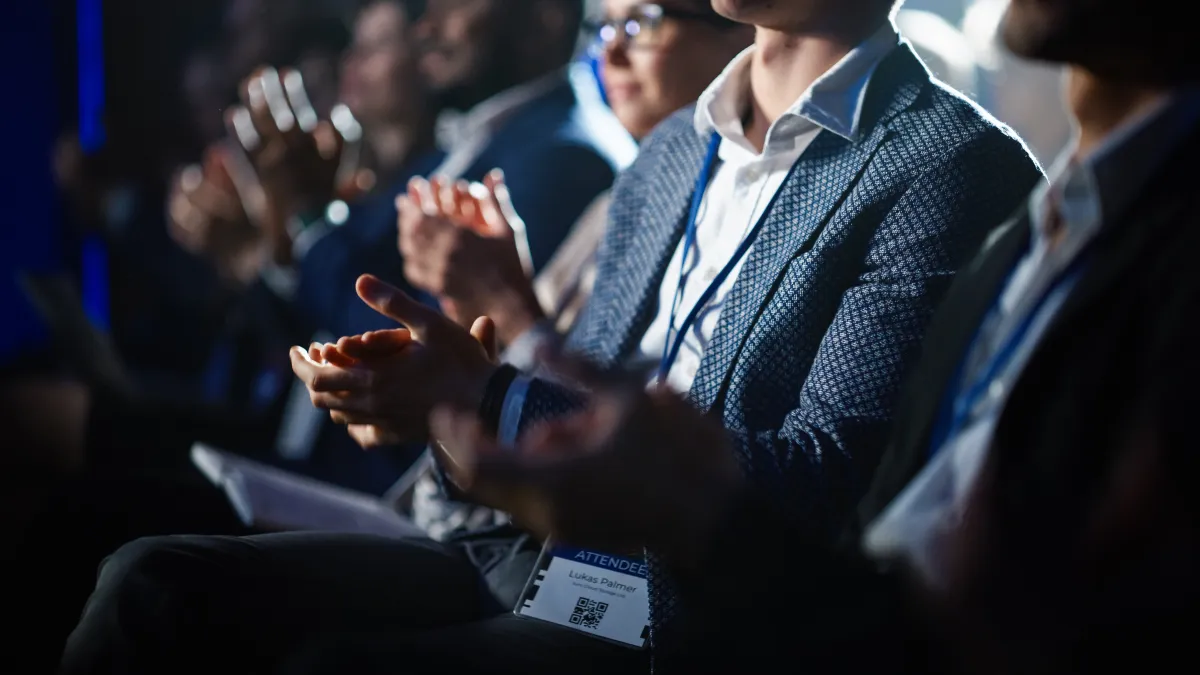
[829, 310]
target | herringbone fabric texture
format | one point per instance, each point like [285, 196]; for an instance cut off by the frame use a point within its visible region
[829, 309]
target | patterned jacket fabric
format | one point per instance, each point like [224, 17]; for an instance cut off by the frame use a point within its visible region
[828, 313]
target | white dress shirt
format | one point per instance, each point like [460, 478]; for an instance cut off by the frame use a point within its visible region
[1085, 193]
[741, 187]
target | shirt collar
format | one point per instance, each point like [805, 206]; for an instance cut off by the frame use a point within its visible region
[1100, 186]
[455, 128]
[833, 102]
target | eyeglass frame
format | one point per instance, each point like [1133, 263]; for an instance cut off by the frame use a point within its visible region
[621, 28]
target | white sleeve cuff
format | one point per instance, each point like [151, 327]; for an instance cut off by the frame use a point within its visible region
[510, 412]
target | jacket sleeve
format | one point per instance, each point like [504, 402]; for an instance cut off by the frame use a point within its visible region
[817, 463]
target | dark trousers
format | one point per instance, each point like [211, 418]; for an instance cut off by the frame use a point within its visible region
[308, 603]
[51, 565]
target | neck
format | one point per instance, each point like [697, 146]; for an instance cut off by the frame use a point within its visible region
[1100, 106]
[784, 65]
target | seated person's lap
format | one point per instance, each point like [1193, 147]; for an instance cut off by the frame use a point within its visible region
[200, 604]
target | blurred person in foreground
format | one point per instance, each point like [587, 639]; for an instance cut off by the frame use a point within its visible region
[790, 317]
[656, 58]
[1036, 509]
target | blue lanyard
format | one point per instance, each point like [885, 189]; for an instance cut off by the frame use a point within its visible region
[957, 405]
[672, 346]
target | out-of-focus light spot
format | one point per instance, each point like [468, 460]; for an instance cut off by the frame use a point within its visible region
[337, 212]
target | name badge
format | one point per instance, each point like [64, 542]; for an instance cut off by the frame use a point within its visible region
[596, 593]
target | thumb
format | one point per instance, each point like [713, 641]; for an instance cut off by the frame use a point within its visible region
[484, 331]
[397, 305]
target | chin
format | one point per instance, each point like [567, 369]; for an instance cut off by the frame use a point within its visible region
[747, 11]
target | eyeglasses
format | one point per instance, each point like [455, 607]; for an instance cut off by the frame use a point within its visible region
[641, 28]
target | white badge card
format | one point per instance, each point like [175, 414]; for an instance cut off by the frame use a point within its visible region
[592, 592]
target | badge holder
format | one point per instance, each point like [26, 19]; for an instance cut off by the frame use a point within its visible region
[604, 596]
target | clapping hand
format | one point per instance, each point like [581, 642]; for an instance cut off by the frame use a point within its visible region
[297, 159]
[465, 244]
[383, 385]
[206, 216]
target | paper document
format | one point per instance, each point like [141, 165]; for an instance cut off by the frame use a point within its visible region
[271, 499]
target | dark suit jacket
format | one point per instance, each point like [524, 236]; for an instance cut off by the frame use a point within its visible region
[1112, 377]
[830, 308]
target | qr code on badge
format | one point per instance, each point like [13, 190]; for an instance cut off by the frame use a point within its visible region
[588, 613]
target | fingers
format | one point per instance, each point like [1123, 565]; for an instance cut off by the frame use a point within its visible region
[267, 115]
[254, 98]
[441, 192]
[466, 208]
[421, 193]
[502, 199]
[334, 356]
[514, 225]
[376, 344]
[484, 331]
[276, 100]
[397, 305]
[320, 376]
[297, 98]
[328, 141]
[346, 124]
[240, 125]
[493, 211]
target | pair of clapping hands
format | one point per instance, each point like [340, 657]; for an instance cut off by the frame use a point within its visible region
[465, 244]
[635, 468]
[279, 162]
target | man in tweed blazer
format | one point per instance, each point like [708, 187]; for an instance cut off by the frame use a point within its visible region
[864, 185]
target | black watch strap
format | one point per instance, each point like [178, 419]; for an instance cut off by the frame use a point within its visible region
[492, 405]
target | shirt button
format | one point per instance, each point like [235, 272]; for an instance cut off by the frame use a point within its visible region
[710, 274]
[996, 390]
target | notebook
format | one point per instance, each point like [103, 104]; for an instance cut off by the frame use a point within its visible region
[271, 499]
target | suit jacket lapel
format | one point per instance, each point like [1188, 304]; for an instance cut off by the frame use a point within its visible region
[820, 182]
[632, 296]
